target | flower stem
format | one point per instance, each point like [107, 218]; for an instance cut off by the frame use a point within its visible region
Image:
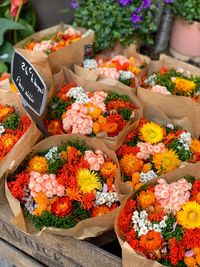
[17, 18]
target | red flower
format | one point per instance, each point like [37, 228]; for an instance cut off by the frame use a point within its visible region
[124, 220]
[177, 252]
[118, 104]
[164, 70]
[64, 89]
[195, 190]
[124, 149]
[102, 210]
[61, 207]
[88, 200]
[117, 119]
[55, 127]
[191, 238]
[17, 187]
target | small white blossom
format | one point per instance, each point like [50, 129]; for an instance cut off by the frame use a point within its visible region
[151, 80]
[185, 140]
[107, 198]
[79, 94]
[52, 153]
[2, 129]
[145, 177]
[143, 231]
[90, 64]
[156, 228]
[170, 125]
[126, 75]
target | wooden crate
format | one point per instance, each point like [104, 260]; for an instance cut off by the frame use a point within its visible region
[53, 250]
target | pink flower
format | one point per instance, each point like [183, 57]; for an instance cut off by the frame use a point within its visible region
[14, 7]
[95, 160]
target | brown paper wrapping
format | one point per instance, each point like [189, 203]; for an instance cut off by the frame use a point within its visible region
[178, 108]
[91, 227]
[131, 258]
[68, 56]
[67, 76]
[26, 142]
[92, 75]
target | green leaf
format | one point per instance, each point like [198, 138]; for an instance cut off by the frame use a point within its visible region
[6, 52]
[5, 3]
[28, 29]
[3, 68]
[5, 25]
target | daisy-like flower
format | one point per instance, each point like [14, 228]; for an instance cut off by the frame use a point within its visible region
[126, 75]
[189, 215]
[90, 64]
[152, 132]
[88, 180]
[2, 129]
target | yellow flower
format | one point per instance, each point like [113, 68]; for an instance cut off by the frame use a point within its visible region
[88, 181]
[38, 164]
[93, 111]
[151, 132]
[189, 215]
[43, 203]
[183, 86]
[166, 161]
[195, 145]
[134, 69]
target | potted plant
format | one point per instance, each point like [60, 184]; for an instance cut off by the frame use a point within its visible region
[185, 36]
[118, 21]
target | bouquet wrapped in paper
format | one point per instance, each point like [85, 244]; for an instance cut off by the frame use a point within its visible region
[154, 146]
[68, 185]
[17, 130]
[159, 224]
[172, 83]
[91, 108]
[125, 68]
[61, 44]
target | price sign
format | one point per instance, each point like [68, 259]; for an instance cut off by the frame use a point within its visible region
[30, 84]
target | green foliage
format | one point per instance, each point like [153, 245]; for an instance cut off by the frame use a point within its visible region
[168, 232]
[49, 220]
[126, 113]
[78, 144]
[56, 108]
[12, 121]
[112, 22]
[115, 96]
[79, 212]
[126, 82]
[54, 165]
[13, 29]
[187, 9]
[182, 153]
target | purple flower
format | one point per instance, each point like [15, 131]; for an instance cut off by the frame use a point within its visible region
[146, 3]
[135, 18]
[74, 4]
[168, 1]
[124, 2]
[138, 9]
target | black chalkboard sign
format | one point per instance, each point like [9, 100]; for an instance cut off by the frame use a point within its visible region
[29, 83]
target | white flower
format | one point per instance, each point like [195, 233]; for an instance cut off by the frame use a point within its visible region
[143, 231]
[162, 224]
[2, 129]
[107, 198]
[156, 228]
[151, 80]
[170, 125]
[135, 219]
[145, 177]
[136, 227]
[143, 214]
[79, 94]
[90, 64]
[126, 75]
[52, 153]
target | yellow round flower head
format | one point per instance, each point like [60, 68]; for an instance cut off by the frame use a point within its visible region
[88, 181]
[189, 215]
[166, 161]
[151, 132]
[183, 86]
[38, 164]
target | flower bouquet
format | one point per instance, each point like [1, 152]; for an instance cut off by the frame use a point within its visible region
[67, 184]
[17, 130]
[175, 84]
[150, 150]
[86, 107]
[62, 44]
[159, 224]
[126, 67]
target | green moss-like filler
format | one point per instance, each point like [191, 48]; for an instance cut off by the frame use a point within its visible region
[12, 121]
[54, 165]
[57, 107]
[168, 263]
[180, 151]
[47, 219]
[189, 178]
[78, 144]
[115, 96]
[168, 232]
[126, 82]
[79, 212]
[126, 113]
[134, 141]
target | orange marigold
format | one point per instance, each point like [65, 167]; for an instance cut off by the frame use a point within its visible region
[146, 167]
[197, 258]
[151, 241]
[195, 145]
[38, 164]
[135, 178]
[108, 169]
[130, 164]
[146, 199]
[101, 210]
[137, 186]
[43, 203]
[96, 127]
[61, 207]
[5, 111]
[110, 127]
[8, 141]
[190, 262]
[55, 127]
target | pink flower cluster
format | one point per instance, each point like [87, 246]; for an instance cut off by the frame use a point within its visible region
[98, 99]
[160, 89]
[146, 149]
[108, 72]
[71, 32]
[94, 159]
[46, 183]
[121, 59]
[43, 46]
[77, 120]
[172, 196]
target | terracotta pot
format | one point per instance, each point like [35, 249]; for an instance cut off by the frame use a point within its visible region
[185, 38]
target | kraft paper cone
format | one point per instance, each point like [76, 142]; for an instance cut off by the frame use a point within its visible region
[130, 257]
[90, 227]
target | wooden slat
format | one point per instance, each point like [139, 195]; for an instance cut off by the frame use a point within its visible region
[54, 250]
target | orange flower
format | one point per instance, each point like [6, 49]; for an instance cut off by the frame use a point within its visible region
[146, 199]
[130, 164]
[110, 127]
[93, 111]
[190, 262]
[135, 178]
[5, 111]
[198, 197]
[101, 210]
[137, 186]
[102, 120]
[96, 127]
[8, 141]
[195, 145]
[43, 203]
[108, 169]
[169, 138]
[55, 127]
[197, 258]
[38, 164]
[74, 194]
[151, 241]
[61, 207]
[146, 167]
